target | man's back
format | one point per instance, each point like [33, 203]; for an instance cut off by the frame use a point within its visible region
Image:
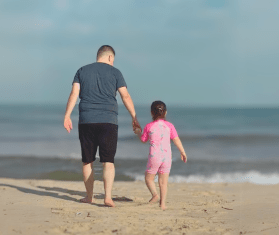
[98, 86]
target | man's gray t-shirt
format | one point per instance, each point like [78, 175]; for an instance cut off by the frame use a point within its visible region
[98, 86]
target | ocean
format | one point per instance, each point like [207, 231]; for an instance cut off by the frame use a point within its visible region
[222, 144]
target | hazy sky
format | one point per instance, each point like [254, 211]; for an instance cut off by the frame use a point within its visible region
[189, 52]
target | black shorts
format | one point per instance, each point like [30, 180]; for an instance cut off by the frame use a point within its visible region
[94, 135]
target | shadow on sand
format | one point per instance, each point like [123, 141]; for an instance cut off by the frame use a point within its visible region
[54, 192]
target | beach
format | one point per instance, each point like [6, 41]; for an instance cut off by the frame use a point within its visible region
[33, 206]
[230, 184]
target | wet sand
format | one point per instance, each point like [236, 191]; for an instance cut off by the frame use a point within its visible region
[52, 207]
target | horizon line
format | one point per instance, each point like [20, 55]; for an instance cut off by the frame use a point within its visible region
[147, 104]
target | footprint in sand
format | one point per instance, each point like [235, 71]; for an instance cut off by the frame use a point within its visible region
[56, 210]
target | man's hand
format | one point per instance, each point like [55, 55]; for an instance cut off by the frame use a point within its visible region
[184, 157]
[68, 124]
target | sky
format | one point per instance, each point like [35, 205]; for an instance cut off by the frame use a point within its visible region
[184, 52]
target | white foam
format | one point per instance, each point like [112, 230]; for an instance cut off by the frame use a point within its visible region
[254, 177]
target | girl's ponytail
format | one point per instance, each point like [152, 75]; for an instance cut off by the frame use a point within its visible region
[158, 110]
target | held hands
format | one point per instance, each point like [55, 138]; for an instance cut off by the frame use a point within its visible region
[68, 124]
[136, 124]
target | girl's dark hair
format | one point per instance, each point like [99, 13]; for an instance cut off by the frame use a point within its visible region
[158, 110]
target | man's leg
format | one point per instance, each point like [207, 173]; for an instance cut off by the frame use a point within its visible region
[89, 145]
[88, 178]
[108, 177]
[107, 149]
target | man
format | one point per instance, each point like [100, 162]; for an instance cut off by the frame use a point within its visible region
[96, 84]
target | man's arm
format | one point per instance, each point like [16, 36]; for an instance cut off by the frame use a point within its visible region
[128, 102]
[70, 106]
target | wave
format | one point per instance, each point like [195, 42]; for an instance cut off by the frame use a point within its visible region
[253, 177]
[263, 172]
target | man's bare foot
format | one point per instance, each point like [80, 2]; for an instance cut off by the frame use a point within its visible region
[154, 199]
[86, 200]
[163, 207]
[109, 202]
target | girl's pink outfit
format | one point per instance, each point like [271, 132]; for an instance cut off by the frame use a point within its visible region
[159, 133]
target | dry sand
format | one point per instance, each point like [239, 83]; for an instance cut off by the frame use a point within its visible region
[52, 207]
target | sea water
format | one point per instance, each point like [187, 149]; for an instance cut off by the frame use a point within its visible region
[222, 144]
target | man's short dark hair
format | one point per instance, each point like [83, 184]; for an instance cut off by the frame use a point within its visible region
[104, 49]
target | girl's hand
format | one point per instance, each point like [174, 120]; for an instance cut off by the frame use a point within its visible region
[135, 123]
[137, 131]
[184, 157]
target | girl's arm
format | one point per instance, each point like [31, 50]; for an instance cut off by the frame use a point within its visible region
[138, 133]
[179, 145]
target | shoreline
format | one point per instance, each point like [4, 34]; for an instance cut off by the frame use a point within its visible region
[195, 171]
[52, 207]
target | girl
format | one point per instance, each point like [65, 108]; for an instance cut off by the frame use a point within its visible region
[159, 132]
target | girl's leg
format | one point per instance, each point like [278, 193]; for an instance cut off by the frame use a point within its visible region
[88, 178]
[163, 184]
[149, 180]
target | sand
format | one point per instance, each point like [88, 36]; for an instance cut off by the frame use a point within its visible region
[52, 207]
